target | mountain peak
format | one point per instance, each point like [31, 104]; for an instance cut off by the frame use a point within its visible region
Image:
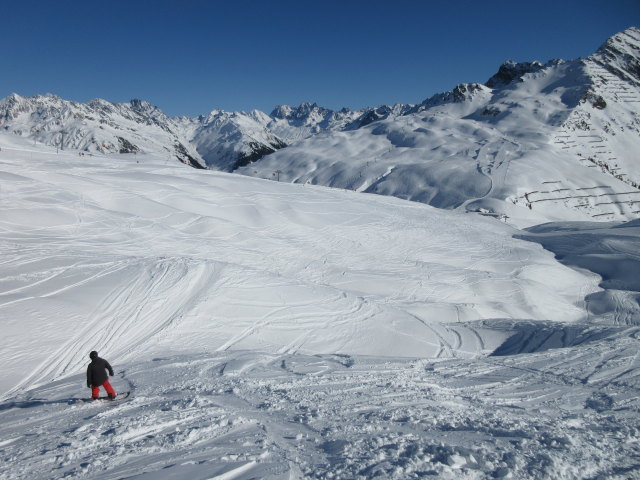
[511, 71]
[99, 102]
[48, 96]
[461, 93]
[281, 111]
[628, 39]
[136, 103]
[12, 99]
[300, 112]
[144, 107]
[306, 108]
[620, 54]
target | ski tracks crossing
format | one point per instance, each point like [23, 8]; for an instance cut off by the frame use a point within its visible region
[121, 324]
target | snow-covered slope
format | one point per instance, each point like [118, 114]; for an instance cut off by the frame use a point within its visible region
[237, 312]
[563, 414]
[146, 255]
[557, 139]
[277, 331]
[96, 127]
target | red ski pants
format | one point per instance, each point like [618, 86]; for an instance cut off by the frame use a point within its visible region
[95, 390]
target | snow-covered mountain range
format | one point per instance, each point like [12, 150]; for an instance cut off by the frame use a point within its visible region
[536, 136]
[98, 126]
[533, 136]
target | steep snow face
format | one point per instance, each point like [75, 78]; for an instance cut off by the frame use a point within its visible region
[98, 126]
[227, 140]
[463, 149]
[603, 131]
[548, 142]
[621, 55]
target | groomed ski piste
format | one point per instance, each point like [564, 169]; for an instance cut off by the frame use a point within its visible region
[279, 331]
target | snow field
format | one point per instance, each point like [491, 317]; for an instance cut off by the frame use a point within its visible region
[143, 257]
[285, 331]
[564, 413]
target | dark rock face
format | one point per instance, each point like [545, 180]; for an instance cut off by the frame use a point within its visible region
[461, 93]
[373, 115]
[491, 111]
[126, 146]
[259, 151]
[184, 157]
[598, 102]
[511, 71]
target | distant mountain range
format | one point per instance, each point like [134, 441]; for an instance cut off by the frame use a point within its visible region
[559, 138]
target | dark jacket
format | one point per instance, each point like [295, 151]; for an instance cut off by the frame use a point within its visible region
[97, 372]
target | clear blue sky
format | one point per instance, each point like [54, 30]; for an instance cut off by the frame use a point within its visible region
[191, 56]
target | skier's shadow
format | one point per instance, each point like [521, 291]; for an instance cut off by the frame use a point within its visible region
[35, 403]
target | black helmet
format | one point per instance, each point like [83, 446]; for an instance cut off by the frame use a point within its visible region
[93, 355]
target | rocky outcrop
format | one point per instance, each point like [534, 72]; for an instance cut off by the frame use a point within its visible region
[511, 71]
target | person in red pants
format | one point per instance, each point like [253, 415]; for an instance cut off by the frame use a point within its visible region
[97, 376]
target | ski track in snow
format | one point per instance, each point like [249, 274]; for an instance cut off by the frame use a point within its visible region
[278, 331]
[557, 414]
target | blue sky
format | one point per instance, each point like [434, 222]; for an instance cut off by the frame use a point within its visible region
[191, 56]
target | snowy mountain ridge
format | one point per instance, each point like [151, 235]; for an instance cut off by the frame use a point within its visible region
[560, 134]
[97, 126]
[571, 125]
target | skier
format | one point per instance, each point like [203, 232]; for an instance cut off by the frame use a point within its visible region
[97, 376]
